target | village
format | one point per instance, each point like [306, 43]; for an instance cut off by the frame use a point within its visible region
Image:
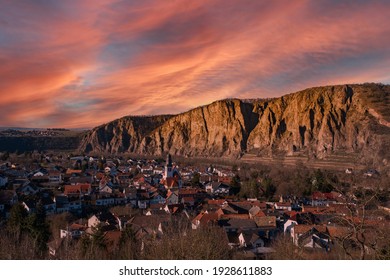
[112, 195]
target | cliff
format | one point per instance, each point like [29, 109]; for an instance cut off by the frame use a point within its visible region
[315, 122]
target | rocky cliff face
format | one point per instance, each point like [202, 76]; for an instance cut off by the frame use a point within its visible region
[315, 122]
[122, 135]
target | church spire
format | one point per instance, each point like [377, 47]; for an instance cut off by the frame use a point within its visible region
[169, 160]
[168, 167]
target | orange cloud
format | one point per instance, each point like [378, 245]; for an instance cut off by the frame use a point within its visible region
[83, 63]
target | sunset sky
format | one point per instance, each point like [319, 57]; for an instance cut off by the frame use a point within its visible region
[81, 63]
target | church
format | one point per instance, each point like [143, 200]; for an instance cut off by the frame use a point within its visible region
[171, 178]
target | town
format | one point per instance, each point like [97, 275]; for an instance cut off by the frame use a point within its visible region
[57, 206]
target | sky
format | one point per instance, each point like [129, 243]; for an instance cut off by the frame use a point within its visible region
[82, 63]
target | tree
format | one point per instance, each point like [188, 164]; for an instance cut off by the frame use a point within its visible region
[235, 185]
[39, 229]
[181, 242]
[5, 156]
[249, 189]
[364, 237]
[269, 188]
[195, 180]
[17, 221]
[321, 182]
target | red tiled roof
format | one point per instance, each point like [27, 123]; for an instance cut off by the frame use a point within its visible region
[73, 171]
[235, 216]
[216, 201]
[170, 182]
[77, 189]
[75, 226]
[299, 229]
[337, 231]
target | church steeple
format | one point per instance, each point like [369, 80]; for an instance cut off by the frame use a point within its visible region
[168, 167]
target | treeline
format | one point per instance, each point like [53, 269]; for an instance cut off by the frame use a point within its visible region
[29, 143]
[26, 236]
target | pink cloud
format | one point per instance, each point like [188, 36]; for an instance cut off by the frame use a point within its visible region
[82, 63]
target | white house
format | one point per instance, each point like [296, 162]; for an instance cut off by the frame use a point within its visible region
[310, 236]
[286, 206]
[217, 188]
[250, 239]
[73, 231]
[288, 225]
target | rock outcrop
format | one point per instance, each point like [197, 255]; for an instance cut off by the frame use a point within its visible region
[315, 122]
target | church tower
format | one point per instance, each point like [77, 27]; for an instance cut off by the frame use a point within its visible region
[168, 167]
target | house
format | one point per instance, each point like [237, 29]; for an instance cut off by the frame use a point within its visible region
[123, 220]
[157, 198]
[104, 199]
[55, 177]
[152, 225]
[204, 218]
[81, 180]
[3, 181]
[214, 204]
[147, 169]
[62, 203]
[324, 199]
[311, 236]
[102, 219]
[232, 239]
[105, 189]
[188, 201]
[77, 190]
[120, 199]
[48, 204]
[222, 189]
[288, 225]
[217, 188]
[131, 196]
[266, 227]
[29, 205]
[211, 186]
[255, 211]
[158, 171]
[250, 239]
[75, 205]
[223, 172]
[172, 197]
[27, 189]
[348, 171]
[236, 225]
[73, 231]
[124, 179]
[284, 206]
[143, 198]
[39, 178]
[73, 172]
[371, 173]
[265, 222]
[174, 208]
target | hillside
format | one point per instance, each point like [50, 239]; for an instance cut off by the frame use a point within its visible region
[315, 123]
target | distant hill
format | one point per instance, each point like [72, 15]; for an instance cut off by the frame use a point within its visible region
[28, 139]
[315, 123]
